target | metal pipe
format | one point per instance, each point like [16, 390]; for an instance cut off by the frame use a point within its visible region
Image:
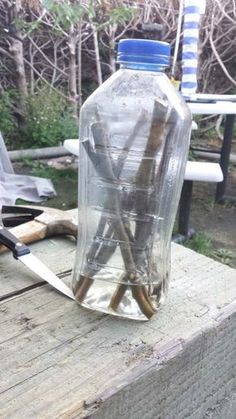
[38, 153]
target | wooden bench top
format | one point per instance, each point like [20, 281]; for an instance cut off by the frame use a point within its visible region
[58, 360]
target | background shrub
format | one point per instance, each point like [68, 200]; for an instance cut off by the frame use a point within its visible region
[8, 122]
[48, 120]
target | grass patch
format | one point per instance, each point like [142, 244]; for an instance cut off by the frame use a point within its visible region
[37, 168]
[201, 243]
[65, 181]
[224, 256]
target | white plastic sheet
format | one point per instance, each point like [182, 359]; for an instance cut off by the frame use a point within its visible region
[13, 186]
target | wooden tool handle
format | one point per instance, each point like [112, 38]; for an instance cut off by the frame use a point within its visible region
[12, 243]
[28, 233]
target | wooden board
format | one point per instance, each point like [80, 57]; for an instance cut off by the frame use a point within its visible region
[58, 253]
[59, 360]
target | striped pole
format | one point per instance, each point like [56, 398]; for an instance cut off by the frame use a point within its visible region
[192, 14]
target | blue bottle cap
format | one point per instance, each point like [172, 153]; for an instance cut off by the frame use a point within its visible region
[144, 51]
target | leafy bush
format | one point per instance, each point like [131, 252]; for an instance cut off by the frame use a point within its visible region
[8, 123]
[201, 243]
[48, 121]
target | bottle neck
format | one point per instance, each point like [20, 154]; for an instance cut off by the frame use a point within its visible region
[159, 68]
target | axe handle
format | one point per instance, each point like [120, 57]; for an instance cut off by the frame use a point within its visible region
[38, 229]
[28, 233]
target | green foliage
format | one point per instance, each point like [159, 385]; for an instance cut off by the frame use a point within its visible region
[8, 122]
[49, 120]
[28, 27]
[121, 15]
[90, 9]
[65, 13]
[191, 155]
[65, 181]
[224, 256]
[38, 168]
[200, 243]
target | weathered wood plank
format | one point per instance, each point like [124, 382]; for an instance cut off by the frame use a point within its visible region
[59, 360]
[14, 275]
[192, 379]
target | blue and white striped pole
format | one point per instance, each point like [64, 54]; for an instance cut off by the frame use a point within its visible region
[192, 14]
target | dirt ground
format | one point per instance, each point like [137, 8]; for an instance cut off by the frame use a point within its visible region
[218, 221]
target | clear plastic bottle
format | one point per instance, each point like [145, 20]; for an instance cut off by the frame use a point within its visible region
[134, 140]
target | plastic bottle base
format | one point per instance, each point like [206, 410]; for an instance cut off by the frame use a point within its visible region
[126, 301]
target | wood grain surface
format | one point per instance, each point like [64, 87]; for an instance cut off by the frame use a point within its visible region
[58, 360]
